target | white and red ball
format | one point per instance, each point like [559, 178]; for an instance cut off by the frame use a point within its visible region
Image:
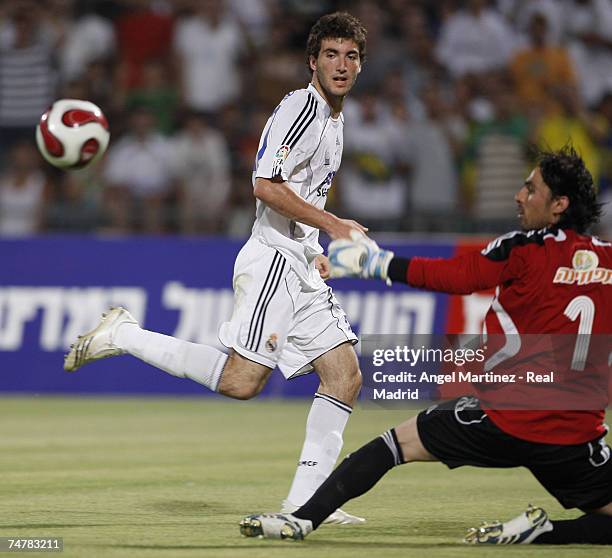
[72, 134]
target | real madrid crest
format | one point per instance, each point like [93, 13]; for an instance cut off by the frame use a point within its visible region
[272, 343]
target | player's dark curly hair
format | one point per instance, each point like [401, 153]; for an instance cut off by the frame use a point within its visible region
[565, 173]
[339, 25]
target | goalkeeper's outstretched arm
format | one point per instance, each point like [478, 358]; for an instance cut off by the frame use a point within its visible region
[465, 274]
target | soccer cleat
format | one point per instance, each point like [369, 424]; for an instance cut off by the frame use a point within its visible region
[98, 343]
[523, 529]
[275, 526]
[339, 517]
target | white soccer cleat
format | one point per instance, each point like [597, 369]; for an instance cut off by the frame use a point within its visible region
[339, 517]
[275, 526]
[98, 343]
[523, 529]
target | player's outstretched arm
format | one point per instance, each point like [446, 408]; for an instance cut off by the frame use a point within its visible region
[359, 257]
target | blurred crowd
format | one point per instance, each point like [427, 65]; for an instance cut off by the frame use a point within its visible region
[438, 129]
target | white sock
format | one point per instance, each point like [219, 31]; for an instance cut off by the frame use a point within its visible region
[326, 421]
[201, 363]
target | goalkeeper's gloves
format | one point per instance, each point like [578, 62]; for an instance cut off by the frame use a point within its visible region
[359, 257]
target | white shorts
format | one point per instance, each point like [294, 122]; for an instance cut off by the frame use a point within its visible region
[276, 323]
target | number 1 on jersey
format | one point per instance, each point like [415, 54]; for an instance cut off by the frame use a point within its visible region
[584, 308]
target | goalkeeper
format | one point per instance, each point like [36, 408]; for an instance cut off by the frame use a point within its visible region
[564, 449]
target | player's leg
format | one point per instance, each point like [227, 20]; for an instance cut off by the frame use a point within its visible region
[595, 526]
[321, 338]
[119, 333]
[583, 479]
[455, 432]
[339, 374]
[242, 378]
[591, 528]
[534, 527]
[357, 474]
[232, 375]
[260, 270]
[362, 469]
[340, 382]
[578, 476]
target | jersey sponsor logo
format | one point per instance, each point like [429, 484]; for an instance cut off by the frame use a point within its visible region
[585, 260]
[326, 184]
[584, 270]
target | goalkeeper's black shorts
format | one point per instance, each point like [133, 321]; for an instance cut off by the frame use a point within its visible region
[459, 432]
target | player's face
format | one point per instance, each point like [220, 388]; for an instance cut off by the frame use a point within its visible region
[537, 208]
[336, 67]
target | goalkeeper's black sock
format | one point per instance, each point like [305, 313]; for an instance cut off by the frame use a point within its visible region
[592, 528]
[357, 473]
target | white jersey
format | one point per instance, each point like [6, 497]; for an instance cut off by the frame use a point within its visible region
[302, 144]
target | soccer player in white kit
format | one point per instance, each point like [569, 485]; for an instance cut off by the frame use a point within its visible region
[284, 314]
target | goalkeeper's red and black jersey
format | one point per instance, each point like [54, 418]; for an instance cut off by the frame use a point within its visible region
[551, 281]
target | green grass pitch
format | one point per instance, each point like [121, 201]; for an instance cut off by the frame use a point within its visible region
[138, 477]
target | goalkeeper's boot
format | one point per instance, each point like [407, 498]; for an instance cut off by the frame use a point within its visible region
[339, 517]
[275, 526]
[98, 343]
[523, 529]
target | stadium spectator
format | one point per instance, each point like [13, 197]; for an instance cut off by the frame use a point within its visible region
[494, 155]
[564, 449]
[571, 123]
[243, 143]
[202, 166]
[602, 128]
[589, 30]
[255, 18]
[24, 192]
[384, 50]
[374, 186]
[139, 177]
[209, 46]
[158, 94]
[89, 37]
[99, 88]
[474, 39]
[539, 69]
[521, 13]
[27, 76]
[419, 67]
[429, 150]
[274, 76]
[144, 32]
[77, 205]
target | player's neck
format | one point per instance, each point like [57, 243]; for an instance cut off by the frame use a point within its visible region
[335, 102]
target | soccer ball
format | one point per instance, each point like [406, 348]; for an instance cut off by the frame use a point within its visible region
[72, 134]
